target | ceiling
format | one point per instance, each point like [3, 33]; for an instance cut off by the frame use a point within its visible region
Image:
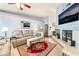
[37, 9]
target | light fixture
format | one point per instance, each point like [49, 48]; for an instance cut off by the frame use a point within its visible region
[4, 29]
[21, 5]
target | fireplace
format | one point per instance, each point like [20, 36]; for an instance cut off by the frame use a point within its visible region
[67, 35]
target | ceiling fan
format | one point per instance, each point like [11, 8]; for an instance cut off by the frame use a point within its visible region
[21, 5]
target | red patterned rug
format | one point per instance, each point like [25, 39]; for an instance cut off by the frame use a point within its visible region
[36, 49]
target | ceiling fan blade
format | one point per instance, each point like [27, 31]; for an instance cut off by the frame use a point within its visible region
[27, 5]
[21, 4]
[11, 3]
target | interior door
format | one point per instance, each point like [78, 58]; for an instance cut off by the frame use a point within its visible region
[46, 30]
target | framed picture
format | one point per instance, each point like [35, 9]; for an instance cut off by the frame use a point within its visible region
[25, 24]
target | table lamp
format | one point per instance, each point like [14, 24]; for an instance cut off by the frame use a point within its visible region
[35, 30]
[4, 29]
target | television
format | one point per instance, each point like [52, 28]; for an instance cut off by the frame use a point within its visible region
[69, 18]
[26, 25]
[71, 14]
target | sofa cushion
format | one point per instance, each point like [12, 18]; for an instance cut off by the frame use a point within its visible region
[17, 34]
[27, 33]
[38, 35]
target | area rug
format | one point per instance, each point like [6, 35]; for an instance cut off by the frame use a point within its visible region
[37, 47]
[23, 50]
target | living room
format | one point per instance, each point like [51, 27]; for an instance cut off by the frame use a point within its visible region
[35, 24]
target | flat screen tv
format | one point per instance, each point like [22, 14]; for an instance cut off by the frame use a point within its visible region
[26, 25]
[69, 15]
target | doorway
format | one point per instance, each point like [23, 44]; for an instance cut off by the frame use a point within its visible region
[46, 30]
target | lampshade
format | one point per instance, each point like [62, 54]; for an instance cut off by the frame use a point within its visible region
[4, 29]
[35, 28]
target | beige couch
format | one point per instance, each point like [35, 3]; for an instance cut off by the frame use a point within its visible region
[20, 41]
[20, 37]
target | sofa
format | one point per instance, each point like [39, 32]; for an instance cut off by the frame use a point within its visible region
[19, 41]
[4, 47]
[20, 37]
